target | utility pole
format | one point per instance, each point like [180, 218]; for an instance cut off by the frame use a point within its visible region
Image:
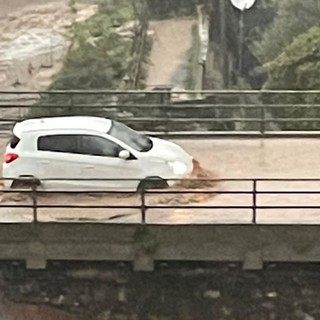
[224, 43]
[241, 5]
[241, 41]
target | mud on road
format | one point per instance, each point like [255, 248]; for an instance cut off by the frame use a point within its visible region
[98, 199]
[224, 158]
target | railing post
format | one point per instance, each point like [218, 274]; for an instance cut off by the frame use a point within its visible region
[254, 203]
[70, 103]
[34, 201]
[262, 119]
[143, 206]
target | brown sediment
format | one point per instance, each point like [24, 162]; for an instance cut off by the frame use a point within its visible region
[199, 179]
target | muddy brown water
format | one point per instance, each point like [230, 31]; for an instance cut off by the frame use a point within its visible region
[226, 158]
[12, 6]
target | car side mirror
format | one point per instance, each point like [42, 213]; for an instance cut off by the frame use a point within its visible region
[124, 154]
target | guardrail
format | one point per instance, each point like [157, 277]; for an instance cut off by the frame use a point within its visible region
[254, 189]
[219, 113]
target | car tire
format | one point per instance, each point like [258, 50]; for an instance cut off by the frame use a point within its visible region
[25, 182]
[152, 183]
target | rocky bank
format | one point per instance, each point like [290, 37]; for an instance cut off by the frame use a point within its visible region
[174, 291]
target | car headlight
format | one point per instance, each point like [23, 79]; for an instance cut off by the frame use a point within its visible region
[178, 167]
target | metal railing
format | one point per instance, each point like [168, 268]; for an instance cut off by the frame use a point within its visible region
[169, 113]
[254, 189]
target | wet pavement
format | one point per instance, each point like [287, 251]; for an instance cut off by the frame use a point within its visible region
[226, 158]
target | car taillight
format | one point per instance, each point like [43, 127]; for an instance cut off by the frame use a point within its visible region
[9, 157]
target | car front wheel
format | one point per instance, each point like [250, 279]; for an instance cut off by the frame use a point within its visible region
[152, 183]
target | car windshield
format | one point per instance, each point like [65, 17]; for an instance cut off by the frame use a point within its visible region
[130, 137]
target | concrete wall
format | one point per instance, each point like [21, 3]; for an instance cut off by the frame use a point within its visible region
[251, 245]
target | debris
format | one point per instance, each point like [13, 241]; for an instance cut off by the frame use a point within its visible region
[212, 294]
[183, 199]
[272, 294]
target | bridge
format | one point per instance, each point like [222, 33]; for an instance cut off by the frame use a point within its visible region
[247, 217]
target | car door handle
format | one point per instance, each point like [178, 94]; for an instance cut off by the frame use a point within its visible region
[89, 167]
[44, 162]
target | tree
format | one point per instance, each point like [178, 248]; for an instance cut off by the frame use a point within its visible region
[293, 17]
[99, 59]
[297, 67]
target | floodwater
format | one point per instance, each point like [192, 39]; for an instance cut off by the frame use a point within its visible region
[226, 159]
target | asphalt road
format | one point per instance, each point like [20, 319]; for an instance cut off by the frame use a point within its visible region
[226, 158]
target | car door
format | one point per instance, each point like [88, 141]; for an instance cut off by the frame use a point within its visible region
[58, 161]
[100, 160]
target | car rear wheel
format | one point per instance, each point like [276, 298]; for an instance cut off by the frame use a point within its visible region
[25, 182]
[152, 183]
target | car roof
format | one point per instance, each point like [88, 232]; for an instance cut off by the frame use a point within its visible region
[96, 124]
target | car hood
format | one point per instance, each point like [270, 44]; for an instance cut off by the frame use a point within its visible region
[168, 151]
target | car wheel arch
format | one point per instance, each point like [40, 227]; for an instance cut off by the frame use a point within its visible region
[26, 181]
[152, 182]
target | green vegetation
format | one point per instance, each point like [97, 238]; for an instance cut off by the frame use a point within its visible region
[281, 44]
[99, 56]
[109, 51]
[293, 17]
[297, 67]
[162, 9]
[290, 53]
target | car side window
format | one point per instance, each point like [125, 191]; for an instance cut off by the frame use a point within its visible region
[59, 143]
[98, 146]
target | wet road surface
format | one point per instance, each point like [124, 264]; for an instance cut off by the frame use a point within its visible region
[226, 158]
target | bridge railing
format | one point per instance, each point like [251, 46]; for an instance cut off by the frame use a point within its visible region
[217, 113]
[257, 197]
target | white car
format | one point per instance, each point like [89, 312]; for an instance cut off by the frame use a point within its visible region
[84, 147]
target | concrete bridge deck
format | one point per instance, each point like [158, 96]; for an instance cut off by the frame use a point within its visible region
[226, 158]
[250, 245]
[281, 235]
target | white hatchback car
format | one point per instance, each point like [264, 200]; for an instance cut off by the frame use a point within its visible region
[84, 147]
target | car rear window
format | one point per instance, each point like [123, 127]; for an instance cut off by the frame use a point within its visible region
[14, 141]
